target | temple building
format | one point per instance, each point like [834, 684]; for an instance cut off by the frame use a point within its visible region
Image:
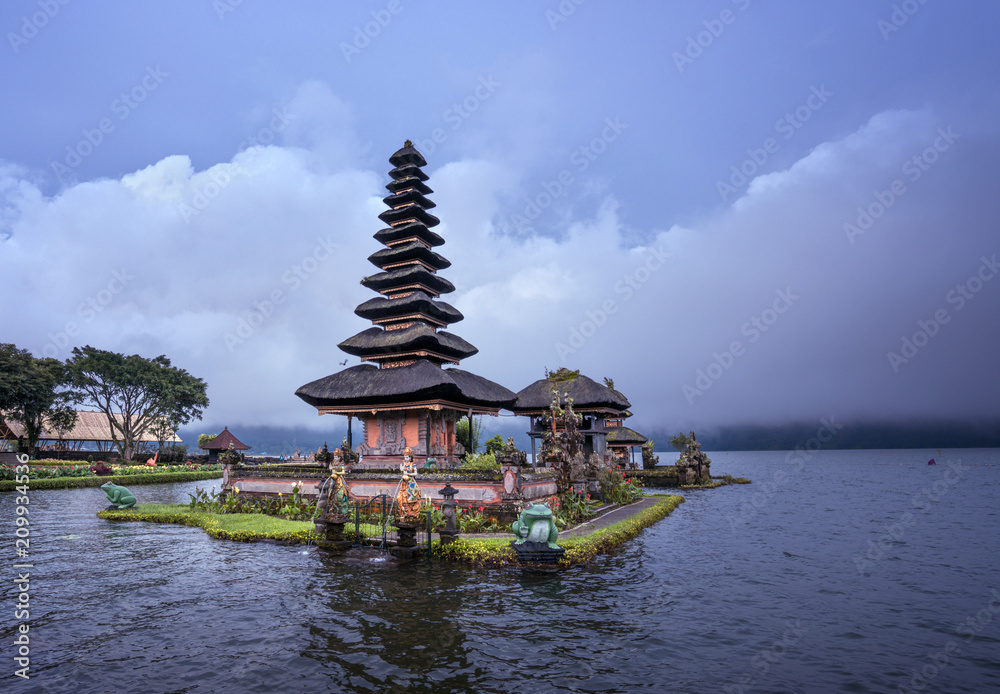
[595, 402]
[406, 397]
[621, 441]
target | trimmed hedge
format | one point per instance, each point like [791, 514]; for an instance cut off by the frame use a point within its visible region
[80, 482]
[238, 527]
[605, 540]
[498, 551]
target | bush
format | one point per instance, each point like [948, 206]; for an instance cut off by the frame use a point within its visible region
[480, 461]
[495, 445]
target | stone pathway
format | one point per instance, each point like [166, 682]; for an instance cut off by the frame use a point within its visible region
[611, 517]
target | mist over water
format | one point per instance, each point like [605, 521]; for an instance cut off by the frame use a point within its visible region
[855, 571]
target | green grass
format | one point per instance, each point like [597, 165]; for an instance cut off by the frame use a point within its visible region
[241, 527]
[79, 482]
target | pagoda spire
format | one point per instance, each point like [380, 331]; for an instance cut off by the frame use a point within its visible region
[408, 315]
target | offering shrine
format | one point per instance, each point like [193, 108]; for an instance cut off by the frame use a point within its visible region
[409, 395]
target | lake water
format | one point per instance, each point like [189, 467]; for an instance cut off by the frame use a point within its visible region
[855, 571]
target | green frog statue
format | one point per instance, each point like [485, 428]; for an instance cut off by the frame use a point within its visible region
[120, 497]
[535, 524]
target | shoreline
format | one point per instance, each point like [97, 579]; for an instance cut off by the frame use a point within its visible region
[605, 535]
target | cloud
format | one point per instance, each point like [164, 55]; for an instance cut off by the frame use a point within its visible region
[247, 273]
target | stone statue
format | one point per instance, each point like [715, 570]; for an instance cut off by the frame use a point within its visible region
[408, 497]
[535, 524]
[120, 497]
[561, 441]
[339, 494]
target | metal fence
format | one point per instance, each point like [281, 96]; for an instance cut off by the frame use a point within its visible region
[373, 524]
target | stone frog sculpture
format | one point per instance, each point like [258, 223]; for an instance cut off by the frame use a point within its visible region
[120, 497]
[535, 524]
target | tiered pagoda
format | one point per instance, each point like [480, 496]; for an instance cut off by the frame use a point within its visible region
[406, 397]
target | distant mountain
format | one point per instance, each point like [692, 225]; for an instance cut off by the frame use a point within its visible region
[273, 440]
[845, 435]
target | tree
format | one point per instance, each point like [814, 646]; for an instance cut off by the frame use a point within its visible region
[495, 445]
[680, 442]
[205, 438]
[468, 432]
[142, 391]
[32, 392]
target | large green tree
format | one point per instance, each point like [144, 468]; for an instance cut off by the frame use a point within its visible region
[33, 392]
[142, 391]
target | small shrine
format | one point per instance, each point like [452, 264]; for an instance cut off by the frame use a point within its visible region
[222, 442]
[409, 395]
[595, 403]
[622, 441]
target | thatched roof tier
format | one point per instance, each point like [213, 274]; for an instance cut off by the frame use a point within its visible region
[623, 436]
[382, 310]
[222, 441]
[407, 171]
[366, 387]
[406, 233]
[587, 395]
[408, 197]
[409, 182]
[375, 343]
[414, 277]
[407, 154]
[409, 213]
[408, 253]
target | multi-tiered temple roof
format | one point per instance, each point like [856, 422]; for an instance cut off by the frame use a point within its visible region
[407, 344]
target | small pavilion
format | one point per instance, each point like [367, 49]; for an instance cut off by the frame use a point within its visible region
[221, 443]
[620, 440]
[406, 397]
[595, 402]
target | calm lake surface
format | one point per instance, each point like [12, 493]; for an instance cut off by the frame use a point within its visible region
[855, 571]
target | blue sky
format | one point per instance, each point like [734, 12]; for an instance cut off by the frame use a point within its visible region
[663, 193]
